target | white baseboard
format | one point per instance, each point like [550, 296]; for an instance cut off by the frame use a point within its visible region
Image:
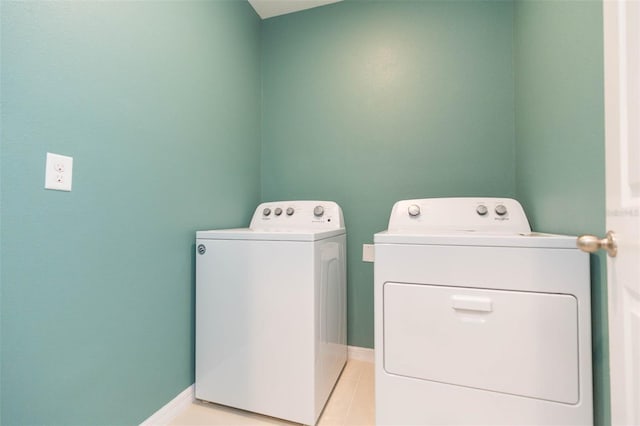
[172, 409]
[360, 354]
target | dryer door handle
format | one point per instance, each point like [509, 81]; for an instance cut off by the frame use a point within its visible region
[471, 303]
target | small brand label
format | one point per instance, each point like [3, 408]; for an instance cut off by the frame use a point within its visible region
[628, 212]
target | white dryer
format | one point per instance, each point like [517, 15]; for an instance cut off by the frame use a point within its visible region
[479, 321]
[271, 310]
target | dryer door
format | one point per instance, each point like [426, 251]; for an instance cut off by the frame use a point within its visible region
[484, 339]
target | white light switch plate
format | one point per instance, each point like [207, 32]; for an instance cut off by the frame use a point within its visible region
[368, 253]
[58, 172]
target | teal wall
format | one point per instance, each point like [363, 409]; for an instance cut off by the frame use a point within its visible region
[158, 103]
[560, 139]
[367, 103]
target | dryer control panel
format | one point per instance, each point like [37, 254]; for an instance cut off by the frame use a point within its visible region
[291, 215]
[428, 215]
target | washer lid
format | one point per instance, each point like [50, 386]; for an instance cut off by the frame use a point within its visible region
[474, 238]
[273, 235]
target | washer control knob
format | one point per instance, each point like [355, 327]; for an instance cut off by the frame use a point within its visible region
[266, 211]
[501, 210]
[318, 211]
[290, 211]
[482, 210]
[278, 211]
[414, 210]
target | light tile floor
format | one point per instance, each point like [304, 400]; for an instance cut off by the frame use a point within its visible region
[350, 404]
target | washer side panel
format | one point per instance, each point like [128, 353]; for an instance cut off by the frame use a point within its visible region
[255, 326]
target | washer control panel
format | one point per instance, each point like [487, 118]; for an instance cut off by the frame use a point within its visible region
[305, 214]
[458, 214]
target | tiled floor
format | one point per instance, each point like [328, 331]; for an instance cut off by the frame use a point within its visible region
[350, 404]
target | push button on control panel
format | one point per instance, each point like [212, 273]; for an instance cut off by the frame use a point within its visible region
[290, 211]
[278, 211]
[266, 211]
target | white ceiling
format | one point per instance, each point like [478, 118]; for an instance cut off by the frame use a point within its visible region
[268, 8]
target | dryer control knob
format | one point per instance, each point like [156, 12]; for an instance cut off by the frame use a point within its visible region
[318, 211]
[414, 210]
[278, 211]
[501, 210]
[482, 210]
[290, 211]
[266, 211]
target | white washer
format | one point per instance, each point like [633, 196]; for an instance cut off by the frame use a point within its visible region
[271, 310]
[478, 321]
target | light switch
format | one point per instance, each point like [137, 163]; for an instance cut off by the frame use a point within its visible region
[58, 172]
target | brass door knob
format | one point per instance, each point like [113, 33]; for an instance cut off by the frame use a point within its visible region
[591, 243]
